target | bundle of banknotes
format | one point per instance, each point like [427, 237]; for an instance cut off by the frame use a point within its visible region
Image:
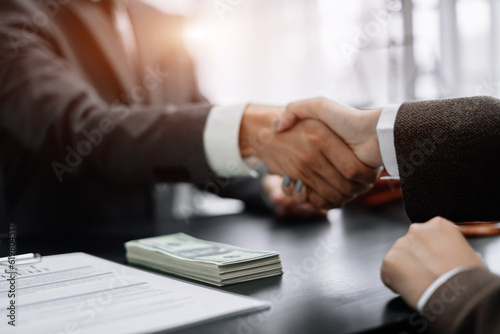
[205, 261]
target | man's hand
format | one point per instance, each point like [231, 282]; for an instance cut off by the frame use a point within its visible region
[284, 206]
[356, 127]
[309, 152]
[428, 251]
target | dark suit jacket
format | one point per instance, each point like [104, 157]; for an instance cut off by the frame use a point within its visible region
[448, 154]
[83, 136]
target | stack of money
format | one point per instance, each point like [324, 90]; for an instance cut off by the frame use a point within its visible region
[206, 261]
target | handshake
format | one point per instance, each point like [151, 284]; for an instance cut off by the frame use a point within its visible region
[326, 152]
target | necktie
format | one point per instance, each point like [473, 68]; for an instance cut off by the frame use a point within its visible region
[127, 35]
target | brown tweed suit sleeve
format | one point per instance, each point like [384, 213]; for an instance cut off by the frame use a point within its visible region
[448, 154]
[468, 303]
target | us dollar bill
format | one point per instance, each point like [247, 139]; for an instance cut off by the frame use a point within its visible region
[186, 248]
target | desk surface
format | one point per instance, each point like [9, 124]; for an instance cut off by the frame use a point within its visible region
[331, 281]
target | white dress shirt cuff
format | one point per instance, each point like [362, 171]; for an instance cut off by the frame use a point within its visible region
[385, 132]
[221, 142]
[435, 285]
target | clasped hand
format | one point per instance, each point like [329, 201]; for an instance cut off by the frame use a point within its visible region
[327, 152]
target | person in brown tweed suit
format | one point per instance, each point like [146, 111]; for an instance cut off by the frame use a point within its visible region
[447, 154]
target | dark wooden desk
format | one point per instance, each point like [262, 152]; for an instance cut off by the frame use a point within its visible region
[331, 282]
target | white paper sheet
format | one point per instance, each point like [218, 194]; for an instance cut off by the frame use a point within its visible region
[80, 293]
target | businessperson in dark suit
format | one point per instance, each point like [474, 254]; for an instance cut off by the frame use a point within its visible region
[99, 102]
[446, 153]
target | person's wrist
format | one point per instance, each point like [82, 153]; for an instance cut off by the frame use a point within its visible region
[370, 120]
[256, 128]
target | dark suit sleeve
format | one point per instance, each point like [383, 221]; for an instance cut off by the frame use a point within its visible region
[47, 106]
[448, 154]
[468, 303]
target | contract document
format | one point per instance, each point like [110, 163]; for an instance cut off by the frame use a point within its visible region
[80, 293]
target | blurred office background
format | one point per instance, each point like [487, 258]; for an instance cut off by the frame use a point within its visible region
[363, 53]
